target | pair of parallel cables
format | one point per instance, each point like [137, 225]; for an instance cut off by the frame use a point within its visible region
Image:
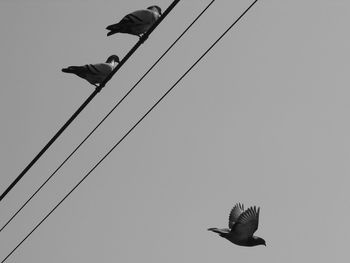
[88, 100]
[134, 126]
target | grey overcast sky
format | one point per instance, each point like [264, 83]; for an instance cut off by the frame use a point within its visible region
[262, 120]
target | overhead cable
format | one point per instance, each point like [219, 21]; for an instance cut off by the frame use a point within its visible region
[109, 113]
[89, 99]
[132, 128]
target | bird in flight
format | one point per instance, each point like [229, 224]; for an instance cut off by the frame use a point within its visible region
[242, 225]
[94, 73]
[136, 23]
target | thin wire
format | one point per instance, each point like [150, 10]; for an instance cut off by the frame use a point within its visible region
[109, 113]
[133, 127]
[140, 42]
[89, 99]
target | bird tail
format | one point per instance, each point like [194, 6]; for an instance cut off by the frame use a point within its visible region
[221, 232]
[113, 29]
[67, 70]
[74, 69]
[214, 229]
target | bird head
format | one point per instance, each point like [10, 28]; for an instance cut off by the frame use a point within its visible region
[113, 58]
[155, 8]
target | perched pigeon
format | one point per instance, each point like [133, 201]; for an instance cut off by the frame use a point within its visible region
[242, 225]
[136, 23]
[94, 73]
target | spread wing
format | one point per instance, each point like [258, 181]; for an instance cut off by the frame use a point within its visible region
[247, 223]
[236, 211]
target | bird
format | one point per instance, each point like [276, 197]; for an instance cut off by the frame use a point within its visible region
[136, 23]
[242, 225]
[94, 73]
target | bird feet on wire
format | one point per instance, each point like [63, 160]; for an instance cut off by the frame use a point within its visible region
[98, 87]
[143, 38]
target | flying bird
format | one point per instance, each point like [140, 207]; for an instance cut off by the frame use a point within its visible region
[94, 73]
[136, 23]
[242, 225]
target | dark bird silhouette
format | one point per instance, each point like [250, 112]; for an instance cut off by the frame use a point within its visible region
[242, 225]
[94, 73]
[136, 23]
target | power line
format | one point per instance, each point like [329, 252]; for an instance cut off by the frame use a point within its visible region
[88, 100]
[109, 113]
[132, 128]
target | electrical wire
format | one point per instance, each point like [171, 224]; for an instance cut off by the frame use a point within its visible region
[108, 114]
[132, 128]
[89, 99]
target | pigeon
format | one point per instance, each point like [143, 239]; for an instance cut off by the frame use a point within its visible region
[94, 73]
[136, 23]
[242, 225]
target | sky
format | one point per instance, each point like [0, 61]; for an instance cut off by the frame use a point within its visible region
[262, 120]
